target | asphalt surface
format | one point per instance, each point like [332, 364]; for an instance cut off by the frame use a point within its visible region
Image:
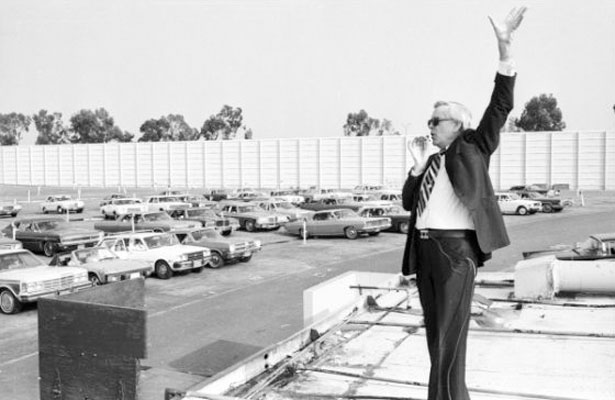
[198, 324]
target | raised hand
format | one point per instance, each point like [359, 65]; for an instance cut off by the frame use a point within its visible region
[419, 150]
[503, 30]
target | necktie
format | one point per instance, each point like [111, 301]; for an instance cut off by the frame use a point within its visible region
[428, 182]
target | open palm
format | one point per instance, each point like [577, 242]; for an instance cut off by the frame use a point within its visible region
[503, 30]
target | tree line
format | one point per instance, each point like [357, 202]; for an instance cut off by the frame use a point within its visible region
[98, 126]
[540, 114]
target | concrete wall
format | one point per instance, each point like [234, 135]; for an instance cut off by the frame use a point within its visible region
[581, 159]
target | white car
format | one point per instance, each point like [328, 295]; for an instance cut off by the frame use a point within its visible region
[11, 209]
[61, 203]
[288, 195]
[284, 208]
[117, 207]
[512, 203]
[165, 203]
[163, 250]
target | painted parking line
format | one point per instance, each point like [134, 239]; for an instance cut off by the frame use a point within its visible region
[18, 359]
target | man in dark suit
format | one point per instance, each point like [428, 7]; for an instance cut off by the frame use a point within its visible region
[456, 222]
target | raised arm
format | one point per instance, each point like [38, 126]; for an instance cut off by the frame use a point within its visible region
[487, 135]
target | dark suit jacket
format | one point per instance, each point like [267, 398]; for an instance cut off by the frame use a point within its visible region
[467, 166]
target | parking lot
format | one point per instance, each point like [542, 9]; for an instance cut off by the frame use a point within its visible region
[199, 324]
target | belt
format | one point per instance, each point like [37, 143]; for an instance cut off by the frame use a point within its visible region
[446, 233]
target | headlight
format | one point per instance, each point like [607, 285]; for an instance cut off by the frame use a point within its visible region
[257, 243]
[29, 287]
[206, 253]
[183, 257]
[113, 278]
[232, 248]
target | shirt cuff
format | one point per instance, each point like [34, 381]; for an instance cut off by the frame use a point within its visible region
[507, 68]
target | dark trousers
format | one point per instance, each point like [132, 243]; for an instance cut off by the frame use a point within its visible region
[445, 279]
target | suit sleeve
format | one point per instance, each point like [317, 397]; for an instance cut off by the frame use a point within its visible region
[487, 134]
[410, 191]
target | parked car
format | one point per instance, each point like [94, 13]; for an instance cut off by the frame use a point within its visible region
[315, 194]
[596, 246]
[165, 203]
[50, 235]
[112, 196]
[282, 208]
[163, 250]
[292, 196]
[541, 188]
[218, 194]
[338, 222]
[251, 196]
[11, 209]
[512, 203]
[158, 221]
[330, 204]
[127, 205]
[24, 278]
[250, 216]
[198, 201]
[548, 204]
[61, 203]
[103, 265]
[400, 218]
[173, 193]
[208, 218]
[222, 250]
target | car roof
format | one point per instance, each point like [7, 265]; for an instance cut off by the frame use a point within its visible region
[40, 219]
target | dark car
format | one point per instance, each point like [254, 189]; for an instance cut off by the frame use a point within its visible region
[50, 235]
[541, 188]
[330, 204]
[158, 221]
[549, 204]
[207, 217]
[223, 250]
[597, 246]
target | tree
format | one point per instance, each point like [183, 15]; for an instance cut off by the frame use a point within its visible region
[225, 125]
[12, 126]
[173, 127]
[50, 128]
[361, 124]
[541, 113]
[96, 127]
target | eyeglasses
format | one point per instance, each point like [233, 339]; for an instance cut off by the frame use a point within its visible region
[435, 121]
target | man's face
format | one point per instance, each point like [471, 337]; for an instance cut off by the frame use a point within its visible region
[443, 128]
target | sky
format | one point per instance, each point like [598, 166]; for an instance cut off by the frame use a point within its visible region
[297, 68]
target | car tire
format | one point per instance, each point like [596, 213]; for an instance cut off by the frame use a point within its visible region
[351, 233]
[60, 210]
[250, 226]
[49, 249]
[44, 210]
[547, 208]
[522, 210]
[226, 233]
[79, 210]
[13, 215]
[246, 258]
[104, 214]
[403, 227]
[94, 279]
[9, 304]
[162, 269]
[216, 260]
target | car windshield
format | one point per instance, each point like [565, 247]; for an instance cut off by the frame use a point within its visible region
[160, 216]
[127, 201]
[51, 225]
[18, 261]
[343, 214]
[205, 234]
[284, 205]
[154, 242]
[93, 255]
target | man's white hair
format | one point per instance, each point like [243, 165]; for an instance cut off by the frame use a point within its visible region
[458, 112]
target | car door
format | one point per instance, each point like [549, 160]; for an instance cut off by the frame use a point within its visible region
[23, 233]
[321, 224]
